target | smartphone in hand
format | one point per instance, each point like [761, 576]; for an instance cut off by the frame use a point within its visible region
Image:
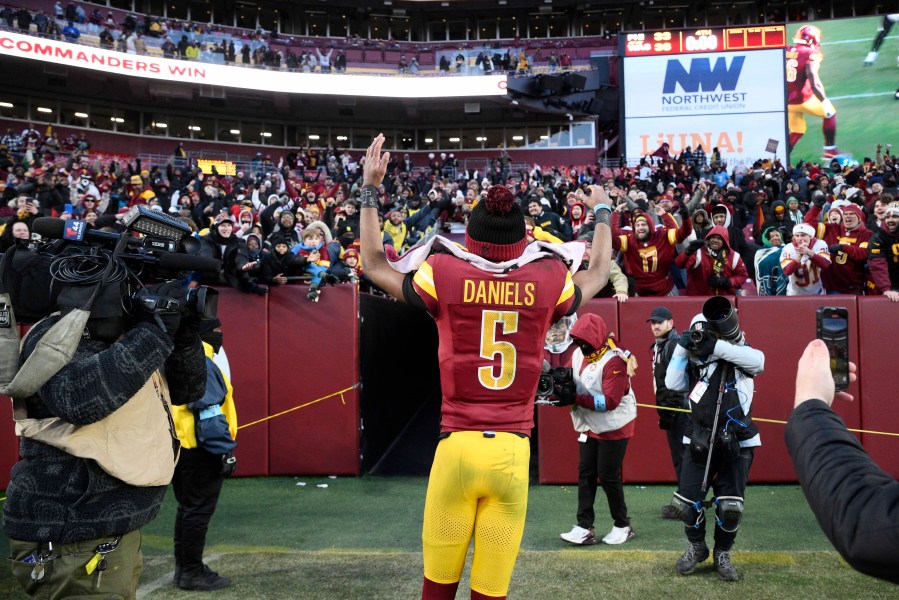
[833, 330]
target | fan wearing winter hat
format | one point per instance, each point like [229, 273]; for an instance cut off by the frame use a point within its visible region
[883, 257]
[847, 242]
[506, 294]
[221, 243]
[802, 261]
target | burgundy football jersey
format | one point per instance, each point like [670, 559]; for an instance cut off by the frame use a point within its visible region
[492, 328]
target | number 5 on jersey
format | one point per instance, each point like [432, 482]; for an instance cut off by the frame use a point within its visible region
[491, 348]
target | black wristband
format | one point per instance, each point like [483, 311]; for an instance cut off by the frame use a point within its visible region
[368, 197]
[603, 215]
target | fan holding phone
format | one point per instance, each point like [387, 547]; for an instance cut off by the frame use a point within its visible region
[853, 499]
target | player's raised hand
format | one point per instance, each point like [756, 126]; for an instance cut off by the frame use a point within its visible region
[375, 163]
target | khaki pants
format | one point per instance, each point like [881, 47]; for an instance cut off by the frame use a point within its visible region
[65, 577]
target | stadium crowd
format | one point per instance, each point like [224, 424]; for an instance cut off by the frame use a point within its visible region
[208, 42]
[684, 224]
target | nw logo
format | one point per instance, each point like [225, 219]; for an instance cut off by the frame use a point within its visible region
[702, 76]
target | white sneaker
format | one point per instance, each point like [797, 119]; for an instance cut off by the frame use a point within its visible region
[869, 60]
[580, 536]
[619, 535]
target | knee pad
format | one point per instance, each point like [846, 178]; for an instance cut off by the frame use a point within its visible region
[690, 513]
[729, 512]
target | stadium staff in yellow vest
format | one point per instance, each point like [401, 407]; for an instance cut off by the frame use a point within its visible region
[207, 429]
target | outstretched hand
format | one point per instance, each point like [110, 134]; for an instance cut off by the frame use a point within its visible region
[597, 195]
[375, 163]
[814, 379]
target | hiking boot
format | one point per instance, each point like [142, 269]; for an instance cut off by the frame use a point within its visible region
[580, 536]
[205, 580]
[726, 570]
[669, 512]
[619, 535]
[695, 553]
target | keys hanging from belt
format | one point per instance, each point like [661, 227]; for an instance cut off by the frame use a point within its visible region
[98, 562]
[39, 570]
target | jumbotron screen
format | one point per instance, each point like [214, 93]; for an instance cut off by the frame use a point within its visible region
[719, 88]
[859, 82]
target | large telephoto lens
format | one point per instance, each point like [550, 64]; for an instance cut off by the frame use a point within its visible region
[720, 314]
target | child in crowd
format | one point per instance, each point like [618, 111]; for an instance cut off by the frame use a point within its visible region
[313, 248]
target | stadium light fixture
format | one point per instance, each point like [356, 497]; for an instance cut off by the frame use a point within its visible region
[429, 140]
[481, 138]
[81, 115]
[44, 109]
[234, 131]
[117, 119]
[342, 138]
[194, 127]
[266, 134]
[6, 105]
[314, 136]
[517, 138]
[454, 140]
[544, 137]
[160, 125]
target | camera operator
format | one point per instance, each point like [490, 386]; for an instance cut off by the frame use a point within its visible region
[97, 444]
[715, 365]
[603, 414]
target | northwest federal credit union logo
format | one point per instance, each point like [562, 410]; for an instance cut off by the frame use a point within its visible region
[703, 84]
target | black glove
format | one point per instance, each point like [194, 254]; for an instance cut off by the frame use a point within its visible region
[695, 245]
[683, 212]
[834, 248]
[819, 198]
[684, 340]
[168, 319]
[666, 420]
[229, 464]
[564, 395]
[706, 345]
[718, 281]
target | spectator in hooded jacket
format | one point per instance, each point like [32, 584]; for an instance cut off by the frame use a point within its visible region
[713, 268]
[722, 215]
[280, 264]
[221, 243]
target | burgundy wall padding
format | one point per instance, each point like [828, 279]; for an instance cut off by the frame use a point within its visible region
[313, 352]
[648, 457]
[556, 438]
[245, 339]
[878, 323]
[9, 443]
[782, 330]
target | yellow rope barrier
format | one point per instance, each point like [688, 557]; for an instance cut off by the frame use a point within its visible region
[760, 420]
[310, 403]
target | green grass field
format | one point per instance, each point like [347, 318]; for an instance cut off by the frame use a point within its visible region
[863, 96]
[359, 539]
